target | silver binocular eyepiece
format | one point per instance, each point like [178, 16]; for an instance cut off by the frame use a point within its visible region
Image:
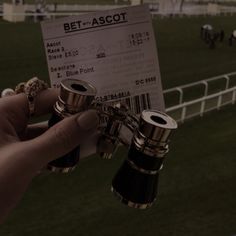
[75, 96]
[136, 181]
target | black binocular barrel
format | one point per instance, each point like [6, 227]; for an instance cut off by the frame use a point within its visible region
[75, 96]
[136, 182]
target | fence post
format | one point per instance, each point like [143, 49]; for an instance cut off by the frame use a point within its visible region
[35, 17]
[183, 114]
[219, 102]
[233, 96]
[227, 81]
[206, 87]
[202, 109]
[180, 95]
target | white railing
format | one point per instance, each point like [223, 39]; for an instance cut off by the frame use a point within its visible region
[180, 89]
[215, 101]
[74, 7]
[52, 14]
[47, 15]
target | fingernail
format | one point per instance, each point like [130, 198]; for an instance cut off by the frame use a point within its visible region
[88, 120]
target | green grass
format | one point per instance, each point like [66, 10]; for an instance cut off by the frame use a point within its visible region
[22, 53]
[183, 56]
[196, 192]
[197, 186]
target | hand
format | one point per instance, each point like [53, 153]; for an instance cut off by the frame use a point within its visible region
[25, 149]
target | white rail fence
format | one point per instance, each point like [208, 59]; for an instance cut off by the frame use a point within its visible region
[205, 83]
[229, 94]
[186, 110]
[70, 7]
[52, 14]
[46, 15]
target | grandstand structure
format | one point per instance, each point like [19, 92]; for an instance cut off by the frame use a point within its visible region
[21, 9]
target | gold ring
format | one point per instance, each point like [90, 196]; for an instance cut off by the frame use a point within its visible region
[31, 88]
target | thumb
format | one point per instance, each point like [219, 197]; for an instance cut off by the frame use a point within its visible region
[65, 135]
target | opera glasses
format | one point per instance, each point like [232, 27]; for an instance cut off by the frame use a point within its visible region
[146, 136]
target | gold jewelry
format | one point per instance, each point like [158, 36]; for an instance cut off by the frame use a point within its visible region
[31, 88]
[7, 92]
[20, 88]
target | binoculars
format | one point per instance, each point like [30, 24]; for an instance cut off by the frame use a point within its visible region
[146, 135]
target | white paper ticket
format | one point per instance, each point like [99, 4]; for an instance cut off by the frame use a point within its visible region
[113, 50]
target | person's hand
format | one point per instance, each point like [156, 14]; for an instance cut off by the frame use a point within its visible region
[25, 149]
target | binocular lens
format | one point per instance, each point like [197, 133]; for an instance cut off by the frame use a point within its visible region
[136, 182]
[133, 185]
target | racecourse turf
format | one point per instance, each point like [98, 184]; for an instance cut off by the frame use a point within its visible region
[183, 56]
[197, 185]
[196, 191]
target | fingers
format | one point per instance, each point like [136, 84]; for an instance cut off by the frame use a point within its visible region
[16, 108]
[45, 101]
[18, 104]
[64, 136]
[34, 130]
